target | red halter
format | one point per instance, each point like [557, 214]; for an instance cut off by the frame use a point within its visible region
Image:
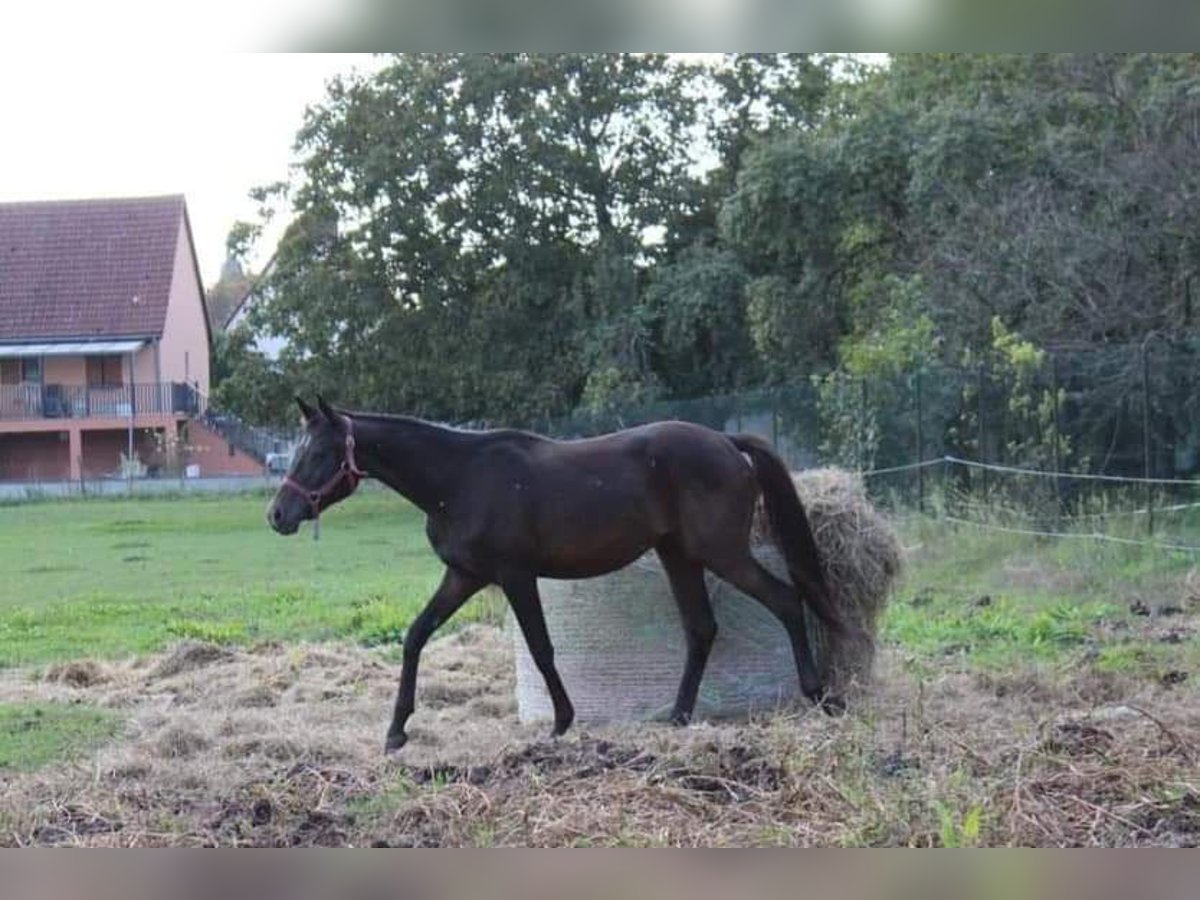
[347, 469]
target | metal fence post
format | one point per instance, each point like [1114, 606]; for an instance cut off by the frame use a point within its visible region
[981, 433]
[920, 444]
[862, 422]
[1147, 462]
[775, 419]
[1057, 446]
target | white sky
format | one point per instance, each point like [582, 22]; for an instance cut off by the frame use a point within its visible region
[208, 126]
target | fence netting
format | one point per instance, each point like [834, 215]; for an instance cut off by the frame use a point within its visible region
[1100, 435]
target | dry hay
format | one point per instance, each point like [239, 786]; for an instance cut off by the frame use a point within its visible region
[620, 650]
[207, 726]
[277, 746]
[862, 560]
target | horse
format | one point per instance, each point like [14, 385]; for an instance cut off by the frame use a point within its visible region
[505, 507]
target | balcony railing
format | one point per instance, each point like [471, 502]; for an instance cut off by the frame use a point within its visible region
[69, 401]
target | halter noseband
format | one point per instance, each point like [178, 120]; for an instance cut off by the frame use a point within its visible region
[347, 469]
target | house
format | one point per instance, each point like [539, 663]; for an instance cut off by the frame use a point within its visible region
[104, 342]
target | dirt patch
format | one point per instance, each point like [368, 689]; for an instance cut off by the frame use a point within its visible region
[282, 746]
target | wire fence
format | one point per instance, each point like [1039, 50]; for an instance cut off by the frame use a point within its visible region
[1042, 444]
[1073, 526]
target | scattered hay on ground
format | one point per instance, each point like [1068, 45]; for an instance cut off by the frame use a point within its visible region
[79, 674]
[1031, 758]
[190, 655]
[207, 723]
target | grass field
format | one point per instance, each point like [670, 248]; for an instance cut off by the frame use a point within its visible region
[105, 578]
[991, 640]
[110, 577]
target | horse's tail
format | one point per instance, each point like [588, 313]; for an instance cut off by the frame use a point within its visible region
[789, 525]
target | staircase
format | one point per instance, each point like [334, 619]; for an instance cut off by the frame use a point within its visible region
[268, 446]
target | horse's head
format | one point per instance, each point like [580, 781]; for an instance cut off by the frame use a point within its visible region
[323, 470]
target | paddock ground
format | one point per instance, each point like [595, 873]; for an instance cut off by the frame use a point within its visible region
[1028, 693]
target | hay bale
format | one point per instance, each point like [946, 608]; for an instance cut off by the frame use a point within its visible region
[620, 649]
[861, 557]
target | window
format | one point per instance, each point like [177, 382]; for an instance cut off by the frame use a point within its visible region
[10, 371]
[31, 370]
[105, 371]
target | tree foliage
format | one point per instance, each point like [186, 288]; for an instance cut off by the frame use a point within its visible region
[512, 237]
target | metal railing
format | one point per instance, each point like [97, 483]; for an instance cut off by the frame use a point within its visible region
[272, 447]
[69, 401]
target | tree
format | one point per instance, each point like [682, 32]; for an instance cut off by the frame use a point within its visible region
[478, 210]
[246, 384]
[1054, 192]
[703, 343]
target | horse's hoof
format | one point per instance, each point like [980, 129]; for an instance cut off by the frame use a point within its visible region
[395, 742]
[563, 722]
[833, 705]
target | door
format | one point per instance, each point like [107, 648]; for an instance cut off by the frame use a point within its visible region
[106, 391]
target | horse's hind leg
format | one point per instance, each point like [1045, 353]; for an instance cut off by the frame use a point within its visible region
[746, 574]
[522, 593]
[699, 626]
[455, 590]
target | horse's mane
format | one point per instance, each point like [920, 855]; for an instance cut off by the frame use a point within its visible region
[398, 419]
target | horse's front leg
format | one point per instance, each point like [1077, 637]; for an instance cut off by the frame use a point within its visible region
[455, 590]
[522, 593]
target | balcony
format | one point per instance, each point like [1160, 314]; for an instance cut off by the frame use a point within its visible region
[68, 401]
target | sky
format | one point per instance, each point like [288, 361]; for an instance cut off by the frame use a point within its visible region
[208, 126]
[76, 123]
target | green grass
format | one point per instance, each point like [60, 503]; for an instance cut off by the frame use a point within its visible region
[995, 600]
[107, 578]
[32, 736]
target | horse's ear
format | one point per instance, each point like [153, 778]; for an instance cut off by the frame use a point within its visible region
[327, 411]
[305, 409]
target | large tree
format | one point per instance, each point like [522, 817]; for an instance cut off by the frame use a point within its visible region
[472, 232]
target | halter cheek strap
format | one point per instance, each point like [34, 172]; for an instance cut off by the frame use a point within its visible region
[347, 470]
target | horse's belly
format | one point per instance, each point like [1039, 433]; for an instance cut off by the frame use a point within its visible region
[586, 555]
[586, 568]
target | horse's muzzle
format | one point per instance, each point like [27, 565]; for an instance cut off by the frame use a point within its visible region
[280, 523]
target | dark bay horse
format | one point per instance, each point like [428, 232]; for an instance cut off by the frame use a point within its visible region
[505, 507]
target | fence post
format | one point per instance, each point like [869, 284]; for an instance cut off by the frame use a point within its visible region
[1057, 446]
[920, 445]
[981, 434]
[862, 423]
[775, 419]
[1147, 463]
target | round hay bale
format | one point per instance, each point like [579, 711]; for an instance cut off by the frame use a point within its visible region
[620, 650]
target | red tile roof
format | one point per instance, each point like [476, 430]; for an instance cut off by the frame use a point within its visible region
[87, 268]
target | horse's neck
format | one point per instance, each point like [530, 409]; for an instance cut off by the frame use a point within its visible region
[417, 459]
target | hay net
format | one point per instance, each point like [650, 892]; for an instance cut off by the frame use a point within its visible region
[620, 649]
